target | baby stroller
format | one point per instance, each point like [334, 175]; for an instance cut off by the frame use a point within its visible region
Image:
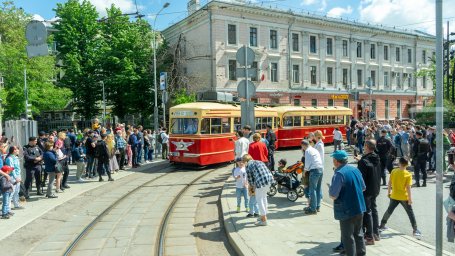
[288, 182]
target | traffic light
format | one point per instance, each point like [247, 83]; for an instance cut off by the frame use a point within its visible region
[28, 113]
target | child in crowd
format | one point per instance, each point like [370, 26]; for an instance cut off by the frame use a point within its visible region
[399, 191]
[79, 158]
[241, 183]
[6, 189]
[254, 210]
[282, 165]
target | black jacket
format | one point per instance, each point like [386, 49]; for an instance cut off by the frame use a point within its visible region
[384, 146]
[30, 154]
[101, 151]
[370, 167]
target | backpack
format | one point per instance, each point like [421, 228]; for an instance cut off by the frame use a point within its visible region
[160, 138]
[423, 148]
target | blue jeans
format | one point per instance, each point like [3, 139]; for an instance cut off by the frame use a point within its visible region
[139, 153]
[90, 168]
[150, 156]
[6, 200]
[253, 205]
[360, 146]
[239, 192]
[315, 188]
[146, 153]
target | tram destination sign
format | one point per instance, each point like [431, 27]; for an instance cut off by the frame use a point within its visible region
[184, 113]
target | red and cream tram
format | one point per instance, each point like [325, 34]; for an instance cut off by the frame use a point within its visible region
[296, 122]
[203, 133]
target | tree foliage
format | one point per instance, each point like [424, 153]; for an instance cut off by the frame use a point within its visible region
[428, 114]
[42, 93]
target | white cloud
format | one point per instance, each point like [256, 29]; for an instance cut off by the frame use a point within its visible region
[416, 14]
[127, 6]
[323, 5]
[337, 12]
[308, 2]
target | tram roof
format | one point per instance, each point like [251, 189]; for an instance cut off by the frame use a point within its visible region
[217, 106]
[315, 110]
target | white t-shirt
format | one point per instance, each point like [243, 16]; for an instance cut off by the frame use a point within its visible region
[337, 135]
[241, 147]
[240, 183]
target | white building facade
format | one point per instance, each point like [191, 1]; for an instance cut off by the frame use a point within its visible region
[306, 60]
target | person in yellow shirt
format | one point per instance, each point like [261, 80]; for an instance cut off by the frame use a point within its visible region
[399, 192]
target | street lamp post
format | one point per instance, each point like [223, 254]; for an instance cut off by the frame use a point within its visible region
[155, 109]
[104, 105]
[370, 91]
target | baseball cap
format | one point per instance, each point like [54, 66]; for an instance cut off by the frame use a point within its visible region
[339, 155]
[238, 159]
[7, 168]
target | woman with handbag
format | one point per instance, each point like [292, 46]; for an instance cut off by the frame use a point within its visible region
[50, 167]
[59, 169]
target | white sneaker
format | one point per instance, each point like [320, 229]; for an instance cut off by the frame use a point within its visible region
[261, 223]
[80, 180]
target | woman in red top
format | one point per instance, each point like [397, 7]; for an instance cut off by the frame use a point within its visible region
[258, 150]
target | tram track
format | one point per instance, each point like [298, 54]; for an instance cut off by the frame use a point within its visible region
[97, 219]
[157, 183]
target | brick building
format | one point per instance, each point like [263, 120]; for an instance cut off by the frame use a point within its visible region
[305, 59]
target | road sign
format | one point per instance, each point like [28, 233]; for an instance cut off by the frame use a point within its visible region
[245, 56]
[164, 97]
[36, 33]
[247, 114]
[163, 80]
[242, 89]
[252, 72]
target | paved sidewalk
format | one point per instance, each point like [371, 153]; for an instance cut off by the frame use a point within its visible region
[291, 232]
[37, 206]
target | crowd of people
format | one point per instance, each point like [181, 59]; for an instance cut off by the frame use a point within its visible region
[96, 152]
[387, 154]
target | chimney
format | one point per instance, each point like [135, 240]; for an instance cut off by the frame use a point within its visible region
[193, 5]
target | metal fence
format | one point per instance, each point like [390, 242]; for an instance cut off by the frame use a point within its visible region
[58, 125]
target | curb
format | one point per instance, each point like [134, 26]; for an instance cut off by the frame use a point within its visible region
[236, 241]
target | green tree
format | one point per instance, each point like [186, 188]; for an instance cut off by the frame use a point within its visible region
[182, 96]
[43, 94]
[79, 43]
[428, 114]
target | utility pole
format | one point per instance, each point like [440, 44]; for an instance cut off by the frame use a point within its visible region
[447, 47]
[439, 125]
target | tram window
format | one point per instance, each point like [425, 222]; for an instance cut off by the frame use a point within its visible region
[339, 120]
[297, 121]
[307, 120]
[205, 126]
[331, 120]
[215, 126]
[184, 126]
[287, 121]
[258, 123]
[225, 125]
[314, 120]
[277, 122]
[322, 120]
[237, 124]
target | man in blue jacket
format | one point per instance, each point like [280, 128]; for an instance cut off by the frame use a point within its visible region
[349, 204]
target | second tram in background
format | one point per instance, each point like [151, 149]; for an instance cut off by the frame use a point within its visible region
[203, 133]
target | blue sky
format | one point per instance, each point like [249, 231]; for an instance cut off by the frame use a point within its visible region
[411, 14]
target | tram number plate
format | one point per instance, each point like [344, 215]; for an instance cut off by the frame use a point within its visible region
[176, 154]
[183, 113]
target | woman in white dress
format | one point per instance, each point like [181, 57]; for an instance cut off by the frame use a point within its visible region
[110, 141]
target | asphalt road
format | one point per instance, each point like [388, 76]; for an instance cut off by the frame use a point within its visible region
[424, 200]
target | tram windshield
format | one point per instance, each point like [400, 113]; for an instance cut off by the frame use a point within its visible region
[184, 126]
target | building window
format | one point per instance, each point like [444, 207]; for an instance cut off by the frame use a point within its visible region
[274, 72]
[359, 77]
[296, 74]
[296, 102]
[346, 103]
[373, 78]
[313, 74]
[232, 34]
[424, 82]
[232, 69]
[373, 106]
[386, 79]
[345, 48]
[295, 42]
[345, 76]
[409, 78]
[330, 75]
[273, 39]
[329, 46]
[314, 102]
[424, 57]
[398, 75]
[386, 109]
[397, 54]
[399, 109]
[373, 51]
[253, 37]
[254, 65]
[313, 44]
[359, 50]
[409, 55]
[330, 103]
[386, 52]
